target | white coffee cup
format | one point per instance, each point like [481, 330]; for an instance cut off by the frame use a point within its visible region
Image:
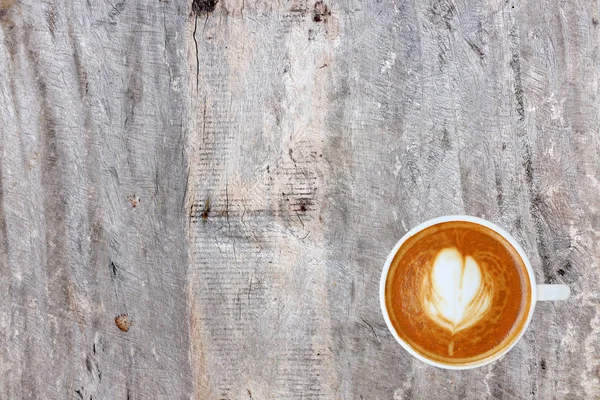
[538, 292]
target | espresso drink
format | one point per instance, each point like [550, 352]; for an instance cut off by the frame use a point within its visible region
[457, 292]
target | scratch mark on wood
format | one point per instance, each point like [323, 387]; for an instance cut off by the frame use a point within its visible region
[291, 152]
[227, 204]
[372, 330]
[115, 11]
[185, 189]
[300, 219]
[113, 268]
[88, 364]
[242, 218]
[204, 122]
[538, 212]
[239, 302]
[515, 64]
[499, 189]
[528, 164]
[476, 49]
[51, 21]
[197, 54]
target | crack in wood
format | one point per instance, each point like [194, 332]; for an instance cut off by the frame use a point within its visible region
[372, 330]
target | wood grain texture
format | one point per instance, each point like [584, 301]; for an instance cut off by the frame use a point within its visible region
[91, 114]
[232, 175]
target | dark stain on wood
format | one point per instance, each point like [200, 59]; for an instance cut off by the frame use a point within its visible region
[518, 224]
[115, 11]
[476, 49]
[114, 269]
[204, 6]
[445, 143]
[303, 206]
[538, 210]
[51, 21]
[528, 165]
[5, 6]
[88, 364]
[321, 12]
[93, 368]
[565, 269]
[499, 188]
[206, 210]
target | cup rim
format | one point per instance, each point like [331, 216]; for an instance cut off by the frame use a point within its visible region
[452, 218]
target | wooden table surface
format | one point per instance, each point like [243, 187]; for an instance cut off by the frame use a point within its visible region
[232, 176]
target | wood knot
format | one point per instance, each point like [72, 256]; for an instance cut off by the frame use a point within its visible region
[123, 322]
[206, 210]
[134, 200]
[204, 6]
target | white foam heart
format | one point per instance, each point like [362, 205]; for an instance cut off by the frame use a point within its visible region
[454, 293]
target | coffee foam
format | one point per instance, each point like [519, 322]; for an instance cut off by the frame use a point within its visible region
[454, 293]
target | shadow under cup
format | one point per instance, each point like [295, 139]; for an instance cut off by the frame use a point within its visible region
[456, 293]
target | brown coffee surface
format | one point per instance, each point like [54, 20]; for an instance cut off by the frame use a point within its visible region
[458, 292]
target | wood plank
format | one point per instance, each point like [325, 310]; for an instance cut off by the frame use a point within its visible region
[92, 113]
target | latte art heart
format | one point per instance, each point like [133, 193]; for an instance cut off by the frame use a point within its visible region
[454, 293]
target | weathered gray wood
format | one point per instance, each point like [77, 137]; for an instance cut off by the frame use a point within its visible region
[91, 113]
[275, 152]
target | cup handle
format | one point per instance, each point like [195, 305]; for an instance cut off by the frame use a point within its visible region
[553, 292]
